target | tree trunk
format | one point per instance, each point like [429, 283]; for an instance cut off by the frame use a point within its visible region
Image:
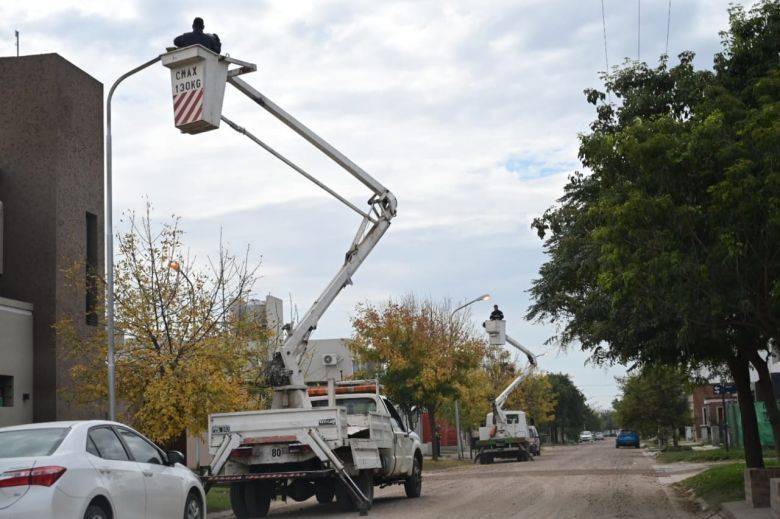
[434, 434]
[766, 394]
[754, 456]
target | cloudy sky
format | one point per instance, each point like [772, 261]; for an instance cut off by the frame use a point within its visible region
[467, 110]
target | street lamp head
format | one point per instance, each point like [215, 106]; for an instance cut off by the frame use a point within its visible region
[485, 297]
[174, 265]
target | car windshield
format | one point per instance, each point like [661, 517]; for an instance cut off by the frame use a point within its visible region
[352, 405]
[627, 433]
[23, 443]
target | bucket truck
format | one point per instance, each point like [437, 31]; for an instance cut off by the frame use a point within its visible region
[506, 433]
[335, 441]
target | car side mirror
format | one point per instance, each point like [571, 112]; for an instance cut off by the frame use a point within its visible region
[175, 457]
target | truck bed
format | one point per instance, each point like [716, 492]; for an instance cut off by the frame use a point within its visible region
[278, 425]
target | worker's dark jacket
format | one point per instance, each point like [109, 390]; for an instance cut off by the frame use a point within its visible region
[210, 41]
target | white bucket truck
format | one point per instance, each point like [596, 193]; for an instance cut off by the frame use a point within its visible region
[506, 433]
[333, 441]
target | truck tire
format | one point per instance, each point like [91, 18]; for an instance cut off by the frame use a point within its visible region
[366, 483]
[257, 496]
[325, 491]
[238, 500]
[343, 499]
[413, 484]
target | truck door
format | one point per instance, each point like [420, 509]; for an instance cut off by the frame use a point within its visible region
[403, 443]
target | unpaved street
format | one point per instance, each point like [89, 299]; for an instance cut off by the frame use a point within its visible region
[590, 480]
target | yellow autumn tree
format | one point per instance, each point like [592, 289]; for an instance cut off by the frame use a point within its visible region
[184, 348]
[422, 354]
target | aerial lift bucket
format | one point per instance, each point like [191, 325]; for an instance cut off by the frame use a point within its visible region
[496, 331]
[198, 78]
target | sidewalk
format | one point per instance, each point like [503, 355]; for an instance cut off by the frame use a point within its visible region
[741, 510]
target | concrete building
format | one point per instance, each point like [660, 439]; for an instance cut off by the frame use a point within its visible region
[328, 358]
[51, 189]
[16, 368]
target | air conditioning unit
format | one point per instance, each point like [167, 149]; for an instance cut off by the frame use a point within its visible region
[329, 359]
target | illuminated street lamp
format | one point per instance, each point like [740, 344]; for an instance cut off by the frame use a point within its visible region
[483, 297]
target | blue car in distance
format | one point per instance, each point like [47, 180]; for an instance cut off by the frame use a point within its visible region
[627, 438]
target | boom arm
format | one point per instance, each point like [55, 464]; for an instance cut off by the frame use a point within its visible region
[285, 372]
[498, 404]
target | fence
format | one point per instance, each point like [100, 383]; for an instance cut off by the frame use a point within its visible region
[735, 425]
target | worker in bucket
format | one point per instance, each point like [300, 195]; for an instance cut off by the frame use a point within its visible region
[496, 314]
[198, 37]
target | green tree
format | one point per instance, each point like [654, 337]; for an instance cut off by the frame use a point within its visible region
[667, 252]
[570, 408]
[654, 402]
[422, 354]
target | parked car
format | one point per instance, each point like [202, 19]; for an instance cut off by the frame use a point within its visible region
[95, 470]
[535, 443]
[598, 436]
[626, 438]
[586, 436]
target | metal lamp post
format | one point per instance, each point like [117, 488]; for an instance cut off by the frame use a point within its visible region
[110, 241]
[483, 297]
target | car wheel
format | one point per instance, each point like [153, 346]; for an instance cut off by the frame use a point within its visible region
[193, 508]
[257, 497]
[238, 500]
[95, 512]
[413, 484]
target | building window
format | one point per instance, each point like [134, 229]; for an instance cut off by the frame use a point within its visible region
[720, 415]
[705, 416]
[91, 270]
[6, 391]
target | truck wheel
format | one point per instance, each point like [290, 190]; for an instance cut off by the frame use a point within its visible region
[343, 499]
[324, 490]
[413, 484]
[257, 496]
[366, 483]
[238, 500]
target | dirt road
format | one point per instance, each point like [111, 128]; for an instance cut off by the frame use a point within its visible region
[591, 480]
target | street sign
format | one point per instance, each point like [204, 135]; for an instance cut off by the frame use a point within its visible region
[198, 86]
[724, 389]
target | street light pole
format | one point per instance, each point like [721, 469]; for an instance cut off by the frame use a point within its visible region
[483, 297]
[109, 230]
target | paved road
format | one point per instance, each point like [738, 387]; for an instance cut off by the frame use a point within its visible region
[584, 481]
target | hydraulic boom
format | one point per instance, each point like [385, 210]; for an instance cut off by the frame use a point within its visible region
[284, 372]
[498, 403]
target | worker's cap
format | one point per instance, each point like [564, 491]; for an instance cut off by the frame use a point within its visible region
[197, 23]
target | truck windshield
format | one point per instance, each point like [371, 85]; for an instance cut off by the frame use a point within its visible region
[352, 405]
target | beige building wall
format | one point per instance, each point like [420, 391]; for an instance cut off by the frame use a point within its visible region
[16, 362]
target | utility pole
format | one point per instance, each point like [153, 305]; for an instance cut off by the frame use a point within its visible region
[16, 33]
[725, 423]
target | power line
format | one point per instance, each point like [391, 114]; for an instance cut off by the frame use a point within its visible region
[604, 27]
[638, 27]
[668, 23]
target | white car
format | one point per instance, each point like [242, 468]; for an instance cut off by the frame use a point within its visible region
[93, 470]
[586, 436]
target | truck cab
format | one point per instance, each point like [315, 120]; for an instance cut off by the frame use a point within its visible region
[396, 461]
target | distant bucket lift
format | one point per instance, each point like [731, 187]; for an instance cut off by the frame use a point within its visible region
[496, 331]
[198, 78]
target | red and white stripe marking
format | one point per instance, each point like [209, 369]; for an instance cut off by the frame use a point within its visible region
[187, 107]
